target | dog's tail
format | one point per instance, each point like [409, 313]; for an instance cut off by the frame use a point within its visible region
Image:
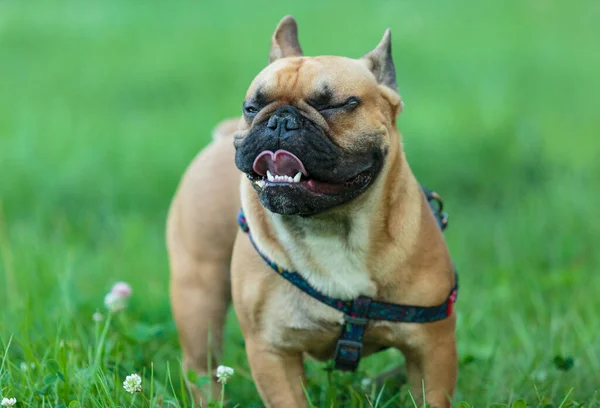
[225, 128]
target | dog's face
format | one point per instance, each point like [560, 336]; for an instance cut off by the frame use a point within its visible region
[316, 130]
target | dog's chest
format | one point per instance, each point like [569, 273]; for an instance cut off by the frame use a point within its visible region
[334, 264]
[333, 259]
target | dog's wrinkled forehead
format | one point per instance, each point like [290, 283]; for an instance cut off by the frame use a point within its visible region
[290, 76]
[326, 79]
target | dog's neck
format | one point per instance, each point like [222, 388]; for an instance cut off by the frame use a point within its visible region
[336, 251]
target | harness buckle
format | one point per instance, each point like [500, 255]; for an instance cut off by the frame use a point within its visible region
[347, 354]
[437, 206]
[359, 321]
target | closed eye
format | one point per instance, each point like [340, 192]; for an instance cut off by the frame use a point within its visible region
[349, 105]
[250, 109]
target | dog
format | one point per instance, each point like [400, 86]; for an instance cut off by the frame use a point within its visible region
[332, 207]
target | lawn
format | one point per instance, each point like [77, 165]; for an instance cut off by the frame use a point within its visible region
[103, 105]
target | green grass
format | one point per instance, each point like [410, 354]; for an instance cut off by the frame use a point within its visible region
[103, 104]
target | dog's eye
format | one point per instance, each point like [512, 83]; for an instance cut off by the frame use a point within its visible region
[250, 110]
[352, 102]
[349, 105]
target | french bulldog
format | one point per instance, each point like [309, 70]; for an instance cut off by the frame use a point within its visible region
[317, 165]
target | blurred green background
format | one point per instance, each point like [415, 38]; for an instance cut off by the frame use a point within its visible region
[103, 105]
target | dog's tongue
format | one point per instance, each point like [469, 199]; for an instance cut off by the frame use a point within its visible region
[281, 163]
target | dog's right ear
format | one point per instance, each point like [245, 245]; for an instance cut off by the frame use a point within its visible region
[284, 42]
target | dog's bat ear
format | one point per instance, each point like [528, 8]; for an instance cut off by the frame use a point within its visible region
[381, 63]
[284, 42]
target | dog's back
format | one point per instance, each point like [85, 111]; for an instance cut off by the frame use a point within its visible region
[208, 192]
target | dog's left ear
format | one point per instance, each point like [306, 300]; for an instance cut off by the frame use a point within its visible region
[380, 62]
[284, 42]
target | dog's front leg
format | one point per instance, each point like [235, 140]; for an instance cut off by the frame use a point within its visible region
[278, 375]
[431, 363]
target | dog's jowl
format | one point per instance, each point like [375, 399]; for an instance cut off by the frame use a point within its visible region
[305, 213]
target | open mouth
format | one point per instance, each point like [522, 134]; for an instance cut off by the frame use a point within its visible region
[282, 168]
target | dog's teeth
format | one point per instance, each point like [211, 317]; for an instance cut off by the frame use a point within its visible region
[261, 183]
[281, 178]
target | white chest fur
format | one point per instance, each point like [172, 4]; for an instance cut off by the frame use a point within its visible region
[332, 258]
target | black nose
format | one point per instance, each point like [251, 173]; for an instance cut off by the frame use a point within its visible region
[284, 119]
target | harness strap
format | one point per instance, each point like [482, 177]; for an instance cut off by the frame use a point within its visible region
[349, 346]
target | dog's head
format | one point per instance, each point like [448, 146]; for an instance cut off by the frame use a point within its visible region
[316, 130]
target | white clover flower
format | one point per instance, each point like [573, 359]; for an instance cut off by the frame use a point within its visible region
[133, 383]
[224, 373]
[112, 302]
[8, 402]
[97, 317]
